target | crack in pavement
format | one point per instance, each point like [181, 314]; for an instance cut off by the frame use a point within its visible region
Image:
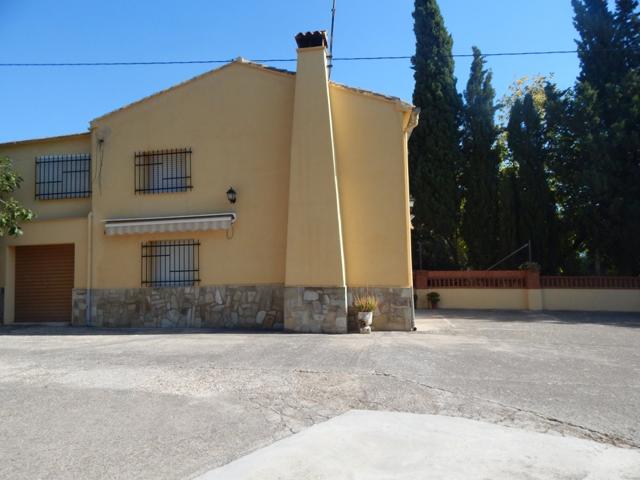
[462, 402]
[589, 433]
[584, 431]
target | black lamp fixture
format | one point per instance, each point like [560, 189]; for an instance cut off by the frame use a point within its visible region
[231, 195]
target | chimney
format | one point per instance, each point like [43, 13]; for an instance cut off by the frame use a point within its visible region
[312, 39]
[315, 260]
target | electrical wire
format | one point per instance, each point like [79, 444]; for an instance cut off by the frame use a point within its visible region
[280, 60]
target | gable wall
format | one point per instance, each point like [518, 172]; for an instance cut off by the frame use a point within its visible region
[238, 124]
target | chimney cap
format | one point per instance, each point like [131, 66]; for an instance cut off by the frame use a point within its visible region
[312, 39]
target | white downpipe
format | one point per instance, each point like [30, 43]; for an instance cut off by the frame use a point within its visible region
[87, 319]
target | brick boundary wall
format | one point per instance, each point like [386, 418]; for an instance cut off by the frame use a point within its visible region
[619, 283]
[527, 290]
[426, 279]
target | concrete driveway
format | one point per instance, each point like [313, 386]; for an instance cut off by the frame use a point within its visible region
[78, 403]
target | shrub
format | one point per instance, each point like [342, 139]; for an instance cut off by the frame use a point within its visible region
[433, 298]
[365, 303]
[531, 266]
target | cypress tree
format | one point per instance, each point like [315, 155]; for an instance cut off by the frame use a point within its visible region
[606, 114]
[510, 237]
[434, 149]
[627, 27]
[479, 226]
[561, 161]
[536, 204]
[596, 48]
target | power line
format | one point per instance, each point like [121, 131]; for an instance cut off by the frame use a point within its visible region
[278, 60]
[466, 55]
[129, 64]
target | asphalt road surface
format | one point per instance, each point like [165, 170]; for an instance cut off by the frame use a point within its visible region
[87, 403]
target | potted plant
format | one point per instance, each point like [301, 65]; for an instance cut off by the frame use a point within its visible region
[433, 298]
[365, 306]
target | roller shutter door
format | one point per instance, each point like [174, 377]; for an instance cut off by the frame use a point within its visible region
[44, 281]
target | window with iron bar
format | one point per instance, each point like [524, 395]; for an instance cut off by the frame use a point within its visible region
[163, 171]
[63, 176]
[170, 263]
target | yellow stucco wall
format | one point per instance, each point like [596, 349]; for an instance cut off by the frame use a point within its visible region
[374, 194]
[237, 121]
[314, 235]
[57, 221]
[478, 298]
[591, 299]
[23, 155]
[543, 299]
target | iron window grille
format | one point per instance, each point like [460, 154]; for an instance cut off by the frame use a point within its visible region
[63, 176]
[163, 171]
[170, 263]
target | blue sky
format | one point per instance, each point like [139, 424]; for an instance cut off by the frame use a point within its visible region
[38, 102]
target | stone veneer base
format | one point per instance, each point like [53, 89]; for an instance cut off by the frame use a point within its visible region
[315, 309]
[268, 307]
[395, 308]
[248, 307]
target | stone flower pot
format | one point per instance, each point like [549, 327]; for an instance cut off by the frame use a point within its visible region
[365, 319]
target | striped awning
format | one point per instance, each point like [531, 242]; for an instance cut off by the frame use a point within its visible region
[187, 223]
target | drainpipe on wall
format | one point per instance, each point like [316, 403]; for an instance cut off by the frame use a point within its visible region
[412, 123]
[87, 317]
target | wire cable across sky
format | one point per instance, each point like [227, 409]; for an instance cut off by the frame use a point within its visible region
[269, 60]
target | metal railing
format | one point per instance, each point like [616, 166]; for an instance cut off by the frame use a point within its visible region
[427, 279]
[469, 279]
[593, 282]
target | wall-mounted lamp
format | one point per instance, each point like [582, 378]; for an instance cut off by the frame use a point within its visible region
[231, 195]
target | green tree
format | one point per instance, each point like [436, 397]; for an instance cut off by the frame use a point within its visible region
[627, 27]
[528, 144]
[481, 158]
[434, 149]
[597, 50]
[508, 210]
[12, 214]
[536, 206]
[605, 175]
[561, 161]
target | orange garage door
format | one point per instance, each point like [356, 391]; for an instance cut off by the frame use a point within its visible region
[44, 280]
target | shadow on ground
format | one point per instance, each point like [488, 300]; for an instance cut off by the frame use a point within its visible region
[36, 330]
[620, 319]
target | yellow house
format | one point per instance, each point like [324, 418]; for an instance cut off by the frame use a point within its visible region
[245, 197]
